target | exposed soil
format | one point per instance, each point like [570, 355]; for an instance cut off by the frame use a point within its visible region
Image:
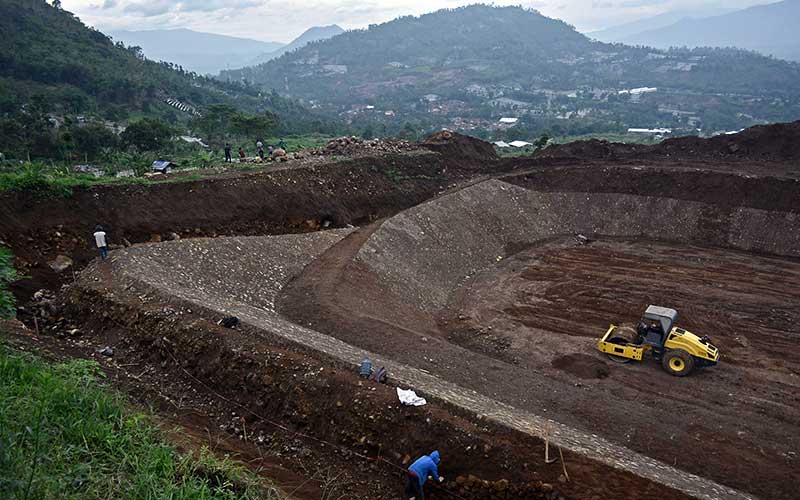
[582, 365]
[746, 303]
[275, 201]
[520, 320]
[723, 188]
[455, 145]
[191, 417]
[764, 142]
[333, 421]
[521, 331]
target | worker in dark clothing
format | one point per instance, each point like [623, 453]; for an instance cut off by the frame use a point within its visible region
[424, 466]
[228, 153]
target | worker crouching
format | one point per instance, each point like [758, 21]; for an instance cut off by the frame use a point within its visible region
[417, 474]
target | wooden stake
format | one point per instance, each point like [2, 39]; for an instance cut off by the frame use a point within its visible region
[563, 463]
[547, 447]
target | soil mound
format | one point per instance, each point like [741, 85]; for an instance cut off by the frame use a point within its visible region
[356, 146]
[582, 366]
[778, 142]
[594, 149]
[460, 146]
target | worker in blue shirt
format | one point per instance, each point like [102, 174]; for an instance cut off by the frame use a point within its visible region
[424, 466]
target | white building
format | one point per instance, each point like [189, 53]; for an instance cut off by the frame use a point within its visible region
[638, 91]
[650, 131]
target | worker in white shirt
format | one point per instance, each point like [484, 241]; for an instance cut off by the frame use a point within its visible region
[100, 239]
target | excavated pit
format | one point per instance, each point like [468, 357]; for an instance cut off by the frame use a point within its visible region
[483, 298]
[488, 287]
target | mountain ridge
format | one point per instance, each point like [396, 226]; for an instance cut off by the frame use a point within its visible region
[57, 72]
[620, 32]
[769, 29]
[465, 68]
[313, 34]
[204, 53]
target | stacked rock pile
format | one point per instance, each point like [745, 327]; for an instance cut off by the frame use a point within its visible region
[475, 488]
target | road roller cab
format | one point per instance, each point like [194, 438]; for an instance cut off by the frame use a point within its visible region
[679, 350]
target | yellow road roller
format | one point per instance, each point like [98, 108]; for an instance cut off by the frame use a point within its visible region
[679, 350]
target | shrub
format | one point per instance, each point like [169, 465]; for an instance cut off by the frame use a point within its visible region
[7, 275]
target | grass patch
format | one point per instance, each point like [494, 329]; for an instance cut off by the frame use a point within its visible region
[7, 276]
[298, 142]
[610, 137]
[32, 178]
[395, 175]
[64, 435]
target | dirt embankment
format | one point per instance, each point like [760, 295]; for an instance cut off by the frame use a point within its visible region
[270, 377]
[721, 189]
[355, 426]
[473, 151]
[294, 200]
[774, 143]
[382, 287]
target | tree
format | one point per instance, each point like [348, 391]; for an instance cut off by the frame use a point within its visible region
[215, 122]
[148, 134]
[541, 141]
[90, 140]
[221, 121]
[252, 126]
[408, 132]
[368, 133]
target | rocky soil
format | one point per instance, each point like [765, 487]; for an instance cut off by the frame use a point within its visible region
[341, 437]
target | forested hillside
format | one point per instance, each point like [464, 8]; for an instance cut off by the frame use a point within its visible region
[312, 34]
[55, 71]
[464, 68]
[50, 58]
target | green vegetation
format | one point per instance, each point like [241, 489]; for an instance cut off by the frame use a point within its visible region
[221, 123]
[148, 134]
[465, 68]
[63, 435]
[33, 177]
[7, 275]
[610, 137]
[54, 179]
[298, 142]
[50, 181]
[66, 91]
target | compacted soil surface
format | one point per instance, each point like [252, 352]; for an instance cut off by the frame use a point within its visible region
[522, 331]
[525, 332]
[544, 309]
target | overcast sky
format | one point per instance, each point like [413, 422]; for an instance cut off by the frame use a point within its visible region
[283, 20]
